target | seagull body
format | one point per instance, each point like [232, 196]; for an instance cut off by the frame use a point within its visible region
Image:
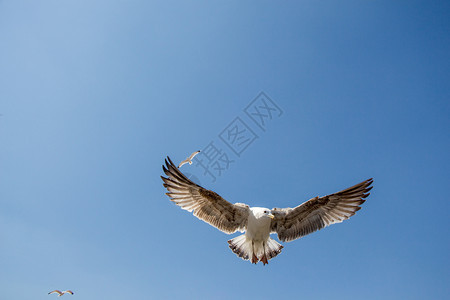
[189, 159]
[258, 223]
[257, 237]
[61, 293]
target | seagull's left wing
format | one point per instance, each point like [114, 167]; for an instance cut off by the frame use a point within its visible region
[68, 292]
[207, 205]
[194, 154]
[317, 213]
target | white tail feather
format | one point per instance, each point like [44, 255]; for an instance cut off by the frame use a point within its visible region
[245, 248]
[241, 246]
[273, 248]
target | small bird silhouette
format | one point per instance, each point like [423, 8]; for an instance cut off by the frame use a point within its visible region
[61, 293]
[189, 159]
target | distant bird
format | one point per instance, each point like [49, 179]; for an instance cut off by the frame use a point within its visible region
[258, 222]
[61, 293]
[189, 159]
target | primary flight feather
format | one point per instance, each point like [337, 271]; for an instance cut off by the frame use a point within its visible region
[258, 222]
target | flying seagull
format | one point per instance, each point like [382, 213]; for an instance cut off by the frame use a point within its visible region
[258, 222]
[61, 293]
[189, 159]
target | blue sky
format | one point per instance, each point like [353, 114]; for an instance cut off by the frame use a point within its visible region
[95, 94]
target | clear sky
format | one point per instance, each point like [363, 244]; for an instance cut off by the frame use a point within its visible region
[95, 94]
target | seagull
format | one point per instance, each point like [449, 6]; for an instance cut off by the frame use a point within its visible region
[189, 159]
[257, 223]
[61, 293]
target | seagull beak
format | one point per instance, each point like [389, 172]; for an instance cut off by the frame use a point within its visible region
[271, 216]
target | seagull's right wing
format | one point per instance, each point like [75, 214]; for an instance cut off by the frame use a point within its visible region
[183, 163]
[317, 213]
[55, 291]
[207, 205]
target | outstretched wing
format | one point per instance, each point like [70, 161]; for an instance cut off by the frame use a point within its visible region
[207, 205]
[183, 163]
[68, 292]
[317, 213]
[194, 154]
[55, 291]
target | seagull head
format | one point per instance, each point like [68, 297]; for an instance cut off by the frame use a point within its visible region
[261, 212]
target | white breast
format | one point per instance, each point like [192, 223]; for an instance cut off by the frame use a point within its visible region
[258, 228]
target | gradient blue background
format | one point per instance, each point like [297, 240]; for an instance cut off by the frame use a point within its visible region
[94, 95]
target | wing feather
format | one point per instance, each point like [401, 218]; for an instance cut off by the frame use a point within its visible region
[317, 213]
[194, 154]
[205, 204]
[56, 291]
